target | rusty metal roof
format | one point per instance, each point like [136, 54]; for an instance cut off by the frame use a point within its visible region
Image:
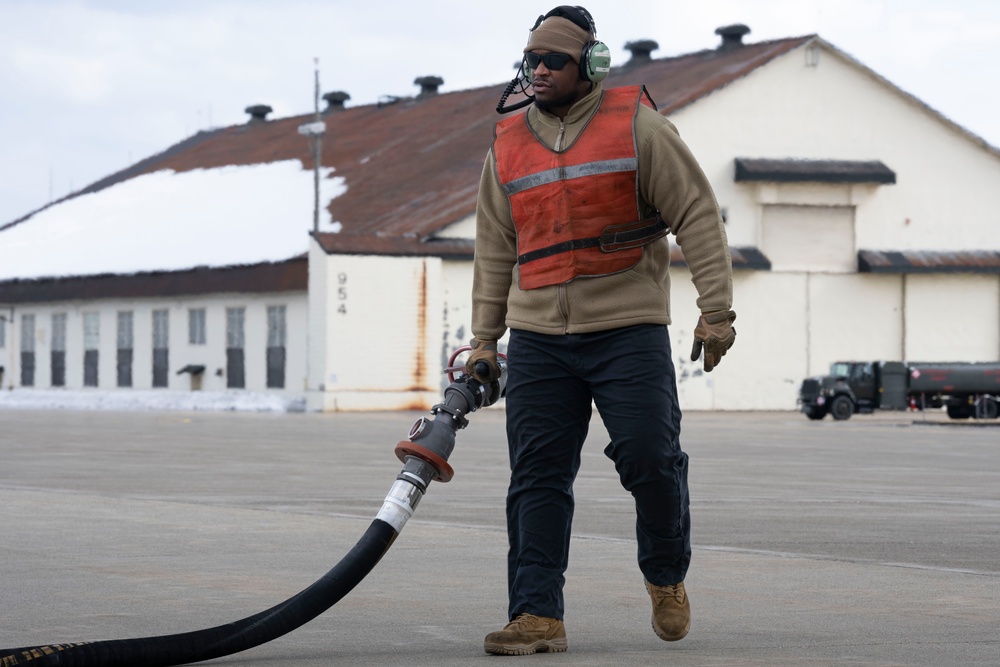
[345, 244]
[288, 276]
[412, 167]
[926, 261]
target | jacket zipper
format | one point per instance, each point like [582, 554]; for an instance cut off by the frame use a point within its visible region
[563, 302]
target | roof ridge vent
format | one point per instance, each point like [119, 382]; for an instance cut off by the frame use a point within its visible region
[732, 36]
[641, 50]
[428, 85]
[258, 112]
[335, 100]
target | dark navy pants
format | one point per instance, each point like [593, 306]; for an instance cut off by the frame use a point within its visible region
[552, 382]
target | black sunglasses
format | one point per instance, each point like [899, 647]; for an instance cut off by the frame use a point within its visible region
[553, 61]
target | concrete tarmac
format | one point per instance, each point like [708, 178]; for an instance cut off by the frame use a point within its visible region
[874, 541]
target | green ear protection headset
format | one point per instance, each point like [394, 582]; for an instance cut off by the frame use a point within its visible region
[595, 57]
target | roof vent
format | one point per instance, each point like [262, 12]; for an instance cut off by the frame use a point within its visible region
[335, 101]
[386, 100]
[641, 50]
[428, 85]
[732, 36]
[258, 112]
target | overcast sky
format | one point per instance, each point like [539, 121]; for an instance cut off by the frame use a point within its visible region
[88, 87]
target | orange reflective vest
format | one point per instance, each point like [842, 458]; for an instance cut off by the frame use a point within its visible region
[576, 212]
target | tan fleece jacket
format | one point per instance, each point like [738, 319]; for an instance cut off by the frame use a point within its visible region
[670, 181]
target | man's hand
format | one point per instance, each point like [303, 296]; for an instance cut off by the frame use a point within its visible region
[483, 352]
[714, 333]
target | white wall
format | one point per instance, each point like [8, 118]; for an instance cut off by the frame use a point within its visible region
[946, 196]
[764, 368]
[383, 330]
[856, 316]
[456, 280]
[181, 353]
[463, 229]
[952, 317]
[794, 321]
[794, 325]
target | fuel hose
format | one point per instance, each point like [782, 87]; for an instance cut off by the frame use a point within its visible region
[425, 458]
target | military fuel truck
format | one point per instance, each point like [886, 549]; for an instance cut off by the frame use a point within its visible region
[964, 389]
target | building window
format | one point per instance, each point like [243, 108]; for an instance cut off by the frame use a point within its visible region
[27, 350]
[58, 351]
[161, 345]
[276, 334]
[91, 343]
[235, 372]
[125, 348]
[196, 326]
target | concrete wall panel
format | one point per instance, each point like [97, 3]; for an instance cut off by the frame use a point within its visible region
[952, 317]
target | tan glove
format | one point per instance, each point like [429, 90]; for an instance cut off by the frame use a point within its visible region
[483, 351]
[714, 333]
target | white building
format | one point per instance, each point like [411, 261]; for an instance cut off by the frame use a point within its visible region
[862, 225]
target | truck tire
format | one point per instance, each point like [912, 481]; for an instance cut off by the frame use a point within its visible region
[816, 412]
[989, 408]
[842, 408]
[958, 411]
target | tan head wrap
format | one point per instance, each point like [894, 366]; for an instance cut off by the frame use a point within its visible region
[559, 35]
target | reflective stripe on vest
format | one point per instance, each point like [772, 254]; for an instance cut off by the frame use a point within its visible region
[562, 202]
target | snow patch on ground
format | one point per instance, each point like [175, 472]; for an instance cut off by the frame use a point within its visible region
[150, 400]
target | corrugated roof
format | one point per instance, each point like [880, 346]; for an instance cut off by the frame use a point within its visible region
[343, 244]
[412, 167]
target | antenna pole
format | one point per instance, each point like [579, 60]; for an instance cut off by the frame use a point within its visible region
[317, 142]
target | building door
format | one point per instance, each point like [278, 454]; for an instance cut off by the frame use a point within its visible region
[58, 351]
[235, 371]
[124, 362]
[27, 350]
[276, 336]
[161, 347]
[91, 344]
[818, 239]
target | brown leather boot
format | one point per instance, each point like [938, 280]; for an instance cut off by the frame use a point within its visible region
[671, 611]
[527, 634]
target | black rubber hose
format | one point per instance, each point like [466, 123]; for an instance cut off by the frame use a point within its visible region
[188, 647]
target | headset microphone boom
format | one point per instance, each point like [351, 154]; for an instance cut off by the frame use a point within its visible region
[594, 58]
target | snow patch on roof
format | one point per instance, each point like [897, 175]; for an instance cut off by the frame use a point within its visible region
[167, 221]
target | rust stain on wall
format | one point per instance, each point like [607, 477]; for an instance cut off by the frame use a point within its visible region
[420, 356]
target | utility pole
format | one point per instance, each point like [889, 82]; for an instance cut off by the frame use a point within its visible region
[315, 132]
[317, 148]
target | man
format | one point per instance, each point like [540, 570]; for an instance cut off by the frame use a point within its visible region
[575, 199]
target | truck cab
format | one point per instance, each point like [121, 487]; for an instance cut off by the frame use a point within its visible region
[854, 387]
